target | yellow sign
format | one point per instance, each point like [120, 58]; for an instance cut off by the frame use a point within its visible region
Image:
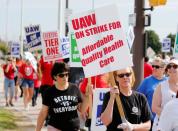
[157, 2]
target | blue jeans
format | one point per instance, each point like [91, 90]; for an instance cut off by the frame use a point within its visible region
[27, 83]
[9, 84]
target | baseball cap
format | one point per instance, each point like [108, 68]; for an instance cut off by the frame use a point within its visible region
[173, 61]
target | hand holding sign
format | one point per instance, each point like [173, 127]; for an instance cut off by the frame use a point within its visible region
[113, 92]
[89, 90]
[127, 126]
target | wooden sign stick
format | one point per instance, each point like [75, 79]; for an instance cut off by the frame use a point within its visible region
[90, 99]
[118, 100]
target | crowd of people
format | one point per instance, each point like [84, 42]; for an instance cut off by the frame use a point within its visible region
[67, 97]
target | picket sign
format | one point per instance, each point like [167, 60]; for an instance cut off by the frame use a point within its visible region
[101, 43]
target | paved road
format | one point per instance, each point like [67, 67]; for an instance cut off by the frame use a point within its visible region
[30, 116]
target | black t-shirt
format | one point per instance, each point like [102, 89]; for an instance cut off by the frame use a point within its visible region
[63, 107]
[135, 107]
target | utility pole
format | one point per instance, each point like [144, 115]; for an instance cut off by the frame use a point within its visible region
[7, 20]
[66, 24]
[61, 25]
[21, 32]
[138, 46]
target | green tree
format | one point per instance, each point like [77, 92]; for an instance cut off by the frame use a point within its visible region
[3, 47]
[153, 41]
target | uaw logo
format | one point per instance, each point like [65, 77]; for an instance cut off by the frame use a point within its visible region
[99, 109]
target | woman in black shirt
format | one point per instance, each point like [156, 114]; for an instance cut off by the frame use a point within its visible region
[137, 112]
[62, 101]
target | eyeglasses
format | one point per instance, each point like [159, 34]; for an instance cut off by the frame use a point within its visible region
[63, 74]
[170, 66]
[124, 74]
[156, 66]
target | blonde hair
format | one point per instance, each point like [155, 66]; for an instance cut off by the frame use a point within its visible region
[159, 60]
[132, 75]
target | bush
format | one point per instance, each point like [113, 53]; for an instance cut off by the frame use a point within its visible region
[3, 47]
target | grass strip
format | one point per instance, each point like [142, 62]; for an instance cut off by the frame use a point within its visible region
[7, 120]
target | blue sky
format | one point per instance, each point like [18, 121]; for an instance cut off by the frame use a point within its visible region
[45, 13]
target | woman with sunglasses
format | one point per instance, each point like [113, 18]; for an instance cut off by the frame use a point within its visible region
[135, 105]
[149, 84]
[9, 84]
[165, 91]
[62, 101]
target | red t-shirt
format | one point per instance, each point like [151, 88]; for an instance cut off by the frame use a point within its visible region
[10, 73]
[46, 68]
[147, 69]
[27, 71]
[37, 81]
[96, 80]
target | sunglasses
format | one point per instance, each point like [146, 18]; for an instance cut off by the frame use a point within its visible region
[124, 74]
[156, 66]
[170, 66]
[63, 74]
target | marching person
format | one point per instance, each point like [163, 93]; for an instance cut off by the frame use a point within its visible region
[165, 91]
[9, 84]
[150, 83]
[26, 72]
[62, 101]
[169, 116]
[37, 84]
[137, 112]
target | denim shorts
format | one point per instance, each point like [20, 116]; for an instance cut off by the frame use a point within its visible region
[27, 83]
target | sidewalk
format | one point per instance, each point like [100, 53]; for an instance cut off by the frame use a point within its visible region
[29, 117]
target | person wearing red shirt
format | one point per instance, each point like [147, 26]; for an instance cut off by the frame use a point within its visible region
[45, 74]
[26, 72]
[37, 84]
[147, 68]
[9, 70]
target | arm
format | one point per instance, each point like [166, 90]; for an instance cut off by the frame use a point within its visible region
[87, 98]
[7, 68]
[41, 117]
[142, 127]
[127, 126]
[82, 107]
[157, 100]
[14, 66]
[106, 116]
[39, 71]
